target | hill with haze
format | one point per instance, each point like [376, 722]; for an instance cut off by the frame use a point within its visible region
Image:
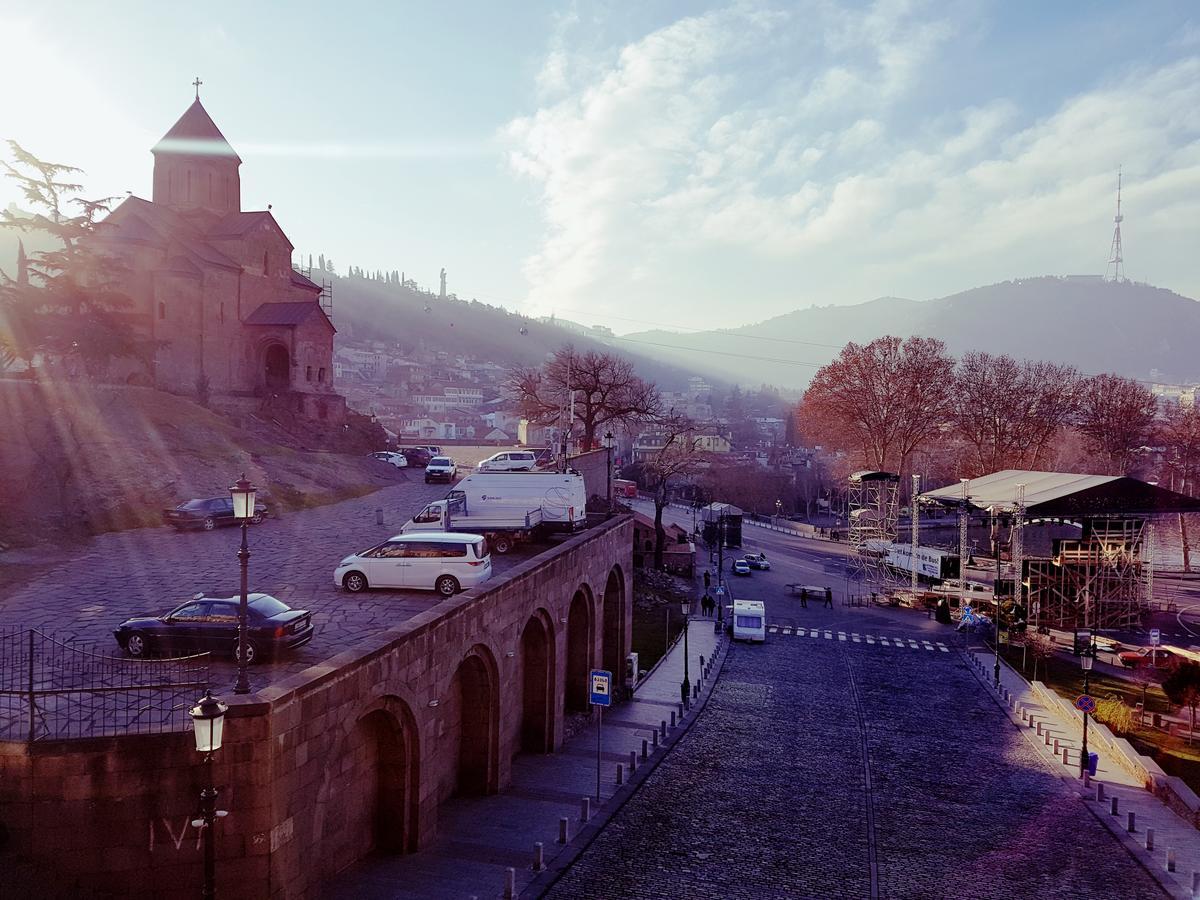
[1096, 326]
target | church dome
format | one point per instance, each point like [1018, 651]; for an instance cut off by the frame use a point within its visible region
[196, 134]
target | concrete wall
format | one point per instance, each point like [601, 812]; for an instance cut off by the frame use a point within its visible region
[353, 755]
[593, 466]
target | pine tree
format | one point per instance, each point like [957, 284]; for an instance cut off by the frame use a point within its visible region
[321, 261]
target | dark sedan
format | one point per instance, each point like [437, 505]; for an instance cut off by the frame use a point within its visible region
[211, 624]
[208, 514]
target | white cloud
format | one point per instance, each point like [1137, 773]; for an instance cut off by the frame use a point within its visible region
[698, 144]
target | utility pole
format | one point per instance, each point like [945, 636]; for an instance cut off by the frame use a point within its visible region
[916, 524]
[962, 547]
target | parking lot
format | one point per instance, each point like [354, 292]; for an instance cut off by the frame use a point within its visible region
[86, 591]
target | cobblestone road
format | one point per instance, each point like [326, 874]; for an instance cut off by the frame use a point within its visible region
[767, 795]
[111, 577]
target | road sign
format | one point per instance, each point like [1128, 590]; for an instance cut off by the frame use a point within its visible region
[601, 693]
[1155, 636]
[1086, 704]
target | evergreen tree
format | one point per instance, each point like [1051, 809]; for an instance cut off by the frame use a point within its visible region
[321, 262]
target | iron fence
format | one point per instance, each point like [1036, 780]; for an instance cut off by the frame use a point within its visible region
[53, 689]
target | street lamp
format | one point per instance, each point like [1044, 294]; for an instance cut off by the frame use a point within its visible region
[208, 721]
[608, 446]
[685, 688]
[1085, 661]
[243, 511]
[778, 510]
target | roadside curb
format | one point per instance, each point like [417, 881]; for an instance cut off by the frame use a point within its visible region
[558, 866]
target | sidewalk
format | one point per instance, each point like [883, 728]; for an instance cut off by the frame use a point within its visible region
[480, 838]
[1034, 711]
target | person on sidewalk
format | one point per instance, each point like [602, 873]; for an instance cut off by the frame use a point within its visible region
[828, 598]
[804, 598]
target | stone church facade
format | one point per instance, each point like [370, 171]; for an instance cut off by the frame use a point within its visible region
[214, 284]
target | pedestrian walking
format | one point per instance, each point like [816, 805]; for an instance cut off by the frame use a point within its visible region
[804, 598]
[829, 598]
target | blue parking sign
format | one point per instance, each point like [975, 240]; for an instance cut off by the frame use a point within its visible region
[600, 689]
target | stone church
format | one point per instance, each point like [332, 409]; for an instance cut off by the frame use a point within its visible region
[215, 283]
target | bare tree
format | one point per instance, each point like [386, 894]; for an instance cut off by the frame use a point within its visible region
[1116, 418]
[606, 391]
[881, 401]
[1008, 411]
[1181, 443]
[677, 454]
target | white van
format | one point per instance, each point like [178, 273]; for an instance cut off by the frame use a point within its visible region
[748, 621]
[446, 563]
[561, 497]
[509, 461]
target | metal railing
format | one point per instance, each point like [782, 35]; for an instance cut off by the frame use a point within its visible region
[60, 690]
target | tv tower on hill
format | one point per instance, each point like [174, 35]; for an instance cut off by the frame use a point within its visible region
[1116, 262]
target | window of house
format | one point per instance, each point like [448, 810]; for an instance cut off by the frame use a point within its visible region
[321, 375]
[308, 373]
[162, 310]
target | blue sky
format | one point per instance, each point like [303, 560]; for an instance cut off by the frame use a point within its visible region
[691, 164]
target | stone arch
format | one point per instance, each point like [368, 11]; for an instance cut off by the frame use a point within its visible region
[276, 366]
[369, 797]
[580, 629]
[537, 684]
[475, 693]
[614, 624]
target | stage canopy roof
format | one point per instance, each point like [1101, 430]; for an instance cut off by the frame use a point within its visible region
[1054, 495]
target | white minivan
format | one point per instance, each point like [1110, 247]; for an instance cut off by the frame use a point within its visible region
[446, 563]
[509, 461]
[748, 621]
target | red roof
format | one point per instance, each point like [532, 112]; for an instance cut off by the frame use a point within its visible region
[195, 134]
[290, 313]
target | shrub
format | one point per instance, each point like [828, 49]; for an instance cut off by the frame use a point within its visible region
[1113, 712]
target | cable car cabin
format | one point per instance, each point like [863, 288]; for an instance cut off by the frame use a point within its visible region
[748, 620]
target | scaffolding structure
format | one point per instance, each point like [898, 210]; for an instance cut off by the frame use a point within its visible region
[1100, 580]
[873, 502]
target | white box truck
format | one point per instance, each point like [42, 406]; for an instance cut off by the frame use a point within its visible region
[748, 620]
[508, 507]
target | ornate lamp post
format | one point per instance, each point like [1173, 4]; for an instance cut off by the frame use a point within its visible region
[208, 718]
[243, 510]
[685, 687]
[1085, 661]
[608, 446]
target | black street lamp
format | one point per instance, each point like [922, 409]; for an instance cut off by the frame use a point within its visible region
[243, 510]
[208, 720]
[608, 446]
[1086, 660]
[685, 687]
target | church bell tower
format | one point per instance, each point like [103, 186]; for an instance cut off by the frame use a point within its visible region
[195, 168]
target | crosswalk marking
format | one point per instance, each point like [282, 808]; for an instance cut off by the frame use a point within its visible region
[856, 638]
[884, 641]
[787, 629]
[893, 641]
[841, 635]
[829, 635]
[870, 640]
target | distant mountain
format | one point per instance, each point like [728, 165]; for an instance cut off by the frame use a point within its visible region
[372, 309]
[1093, 325]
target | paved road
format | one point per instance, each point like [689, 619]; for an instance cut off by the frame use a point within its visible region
[113, 576]
[826, 768]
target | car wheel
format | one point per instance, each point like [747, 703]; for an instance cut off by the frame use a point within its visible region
[136, 646]
[355, 582]
[447, 586]
[257, 518]
[502, 544]
[210, 523]
[251, 653]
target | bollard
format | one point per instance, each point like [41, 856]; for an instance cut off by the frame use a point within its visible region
[1039, 729]
[1195, 883]
[672, 718]
[539, 859]
[1099, 791]
[655, 738]
[644, 754]
[1046, 735]
[378, 516]
[680, 712]
[510, 883]
[1067, 756]
[1024, 714]
[662, 725]
[1170, 859]
[695, 690]
[585, 808]
[1130, 822]
[701, 662]
[1056, 747]
[562, 830]
[620, 774]
[632, 761]
[1113, 803]
[1150, 839]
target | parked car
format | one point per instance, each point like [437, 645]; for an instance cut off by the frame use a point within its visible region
[543, 456]
[393, 457]
[416, 456]
[758, 561]
[208, 514]
[211, 624]
[443, 562]
[1107, 644]
[434, 449]
[441, 468]
[1158, 657]
[741, 567]
[509, 461]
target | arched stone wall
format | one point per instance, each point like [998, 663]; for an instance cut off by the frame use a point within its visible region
[580, 644]
[537, 684]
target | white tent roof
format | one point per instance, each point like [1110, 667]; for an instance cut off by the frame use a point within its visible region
[999, 490]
